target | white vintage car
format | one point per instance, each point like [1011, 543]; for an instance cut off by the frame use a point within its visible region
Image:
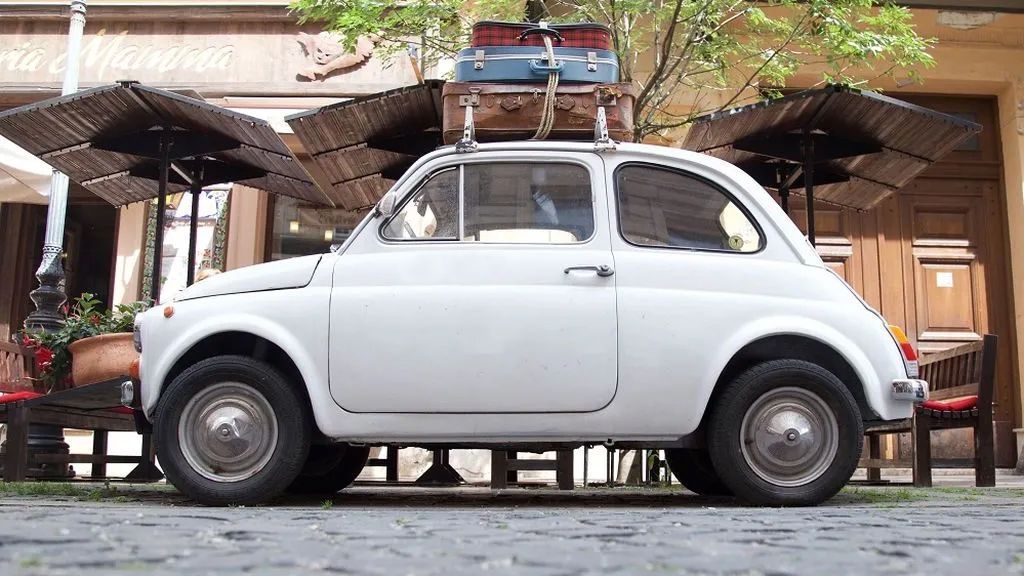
[528, 295]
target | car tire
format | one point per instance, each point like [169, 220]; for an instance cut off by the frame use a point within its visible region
[785, 433]
[693, 468]
[232, 430]
[330, 468]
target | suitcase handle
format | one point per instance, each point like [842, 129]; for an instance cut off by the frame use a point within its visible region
[544, 31]
[541, 68]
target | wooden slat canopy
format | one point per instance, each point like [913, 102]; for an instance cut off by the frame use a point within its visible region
[111, 140]
[864, 145]
[364, 145]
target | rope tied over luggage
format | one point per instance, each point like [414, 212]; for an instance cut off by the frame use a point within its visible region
[547, 119]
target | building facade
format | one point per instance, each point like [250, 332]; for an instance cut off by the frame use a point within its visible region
[943, 257]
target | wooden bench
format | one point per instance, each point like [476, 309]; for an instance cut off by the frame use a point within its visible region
[961, 372]
[506, 464]
[96, 407]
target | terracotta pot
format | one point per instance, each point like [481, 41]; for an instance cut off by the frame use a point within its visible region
[101, 358]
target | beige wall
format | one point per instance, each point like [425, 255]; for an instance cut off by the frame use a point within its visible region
[131, 234]
[247, 230]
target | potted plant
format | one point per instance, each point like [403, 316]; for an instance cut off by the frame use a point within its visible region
[92, 345]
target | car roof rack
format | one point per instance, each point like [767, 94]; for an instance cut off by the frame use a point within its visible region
[602, 138]
[468, 141]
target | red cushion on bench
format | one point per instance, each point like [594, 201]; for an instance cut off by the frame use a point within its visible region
[961, 403]
[7, 398]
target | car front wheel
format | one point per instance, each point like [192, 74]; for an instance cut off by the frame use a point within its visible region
[232, 430]
[785, 433]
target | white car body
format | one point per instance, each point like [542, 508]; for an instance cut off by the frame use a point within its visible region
[454, 342]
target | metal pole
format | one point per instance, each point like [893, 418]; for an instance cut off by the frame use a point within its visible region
[809, 184]
[193, 223]
[50, 295]
[161, 210]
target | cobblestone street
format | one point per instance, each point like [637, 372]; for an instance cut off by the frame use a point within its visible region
[86, 529]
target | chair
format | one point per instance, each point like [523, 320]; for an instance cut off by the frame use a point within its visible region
[962, 384]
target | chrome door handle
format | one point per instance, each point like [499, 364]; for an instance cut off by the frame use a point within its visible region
[603, 270]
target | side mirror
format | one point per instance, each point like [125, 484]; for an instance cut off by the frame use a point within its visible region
[386, 205]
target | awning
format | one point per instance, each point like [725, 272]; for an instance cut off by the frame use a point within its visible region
[862, 145]
[111, 140]
[23, 177]
[364, 145]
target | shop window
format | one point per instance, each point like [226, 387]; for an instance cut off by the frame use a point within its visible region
[299, 228]
[211, 239]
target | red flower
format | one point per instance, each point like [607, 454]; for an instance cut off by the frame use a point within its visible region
[44, 357]
[95, 319]
[28, 342]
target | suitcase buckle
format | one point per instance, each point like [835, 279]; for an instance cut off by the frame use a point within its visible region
[471, 99]
[478, 60]
[607, 95]
[591, 61]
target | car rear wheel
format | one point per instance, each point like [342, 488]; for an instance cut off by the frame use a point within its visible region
[330, 468]
[693, 468]
[785, 433]
[232, 430]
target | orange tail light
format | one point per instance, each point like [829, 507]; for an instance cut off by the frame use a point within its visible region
[909, 354]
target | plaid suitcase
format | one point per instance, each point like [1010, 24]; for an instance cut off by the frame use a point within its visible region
[504, 112]
[589, 35]
[530, 64]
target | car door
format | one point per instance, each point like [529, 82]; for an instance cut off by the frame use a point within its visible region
[692, 267]
[484, 292]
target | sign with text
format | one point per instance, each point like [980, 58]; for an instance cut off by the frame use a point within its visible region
[264, 56]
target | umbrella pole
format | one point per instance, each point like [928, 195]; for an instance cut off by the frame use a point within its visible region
[193, 223]
[161, 208]
[809, 184]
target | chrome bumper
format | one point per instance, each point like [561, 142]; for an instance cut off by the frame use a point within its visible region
[910, 390]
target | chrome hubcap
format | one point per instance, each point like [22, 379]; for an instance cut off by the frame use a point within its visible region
[789, 436]
[228, 432]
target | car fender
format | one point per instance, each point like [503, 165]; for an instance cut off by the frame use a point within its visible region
[786, 325]
[195, 326]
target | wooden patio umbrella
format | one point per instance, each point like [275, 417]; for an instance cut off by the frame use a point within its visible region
[128, 142]
[840, 145]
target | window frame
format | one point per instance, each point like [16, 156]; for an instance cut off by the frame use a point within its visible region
[409, 198]
[686, 173]
[460, 167]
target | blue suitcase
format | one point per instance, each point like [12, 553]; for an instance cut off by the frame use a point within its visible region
[518, 64]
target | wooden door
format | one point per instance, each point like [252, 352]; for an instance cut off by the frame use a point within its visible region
[932, 258]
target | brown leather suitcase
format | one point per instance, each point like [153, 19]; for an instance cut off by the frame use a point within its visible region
[513, 111]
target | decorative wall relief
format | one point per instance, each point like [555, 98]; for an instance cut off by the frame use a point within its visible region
[326, 56]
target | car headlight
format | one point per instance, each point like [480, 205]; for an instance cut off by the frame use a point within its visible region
[137, 338]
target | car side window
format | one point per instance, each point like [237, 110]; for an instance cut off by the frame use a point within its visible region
[431, 214]
[668, 208]
[543, 203]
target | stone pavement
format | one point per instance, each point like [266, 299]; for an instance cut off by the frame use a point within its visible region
[87, 529]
